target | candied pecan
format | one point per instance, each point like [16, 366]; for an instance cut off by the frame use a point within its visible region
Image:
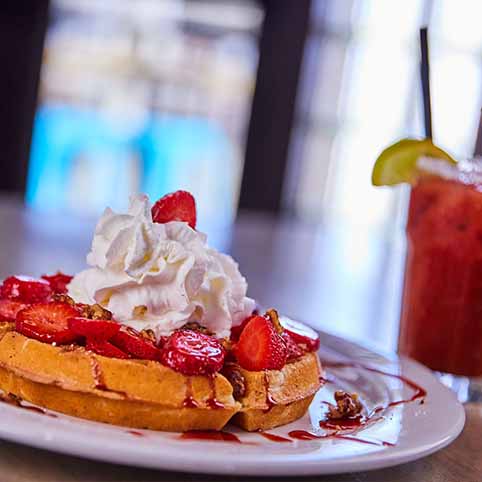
[97, 312]
[93, 312]
[227, 344]
[148, 335]
[237, 380]
[347, 405]
[83, 309]
[69, 348]
[62, 298]
[195, 326]
[272, 314]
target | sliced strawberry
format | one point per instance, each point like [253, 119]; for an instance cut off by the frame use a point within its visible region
[260, 347]
[177, 206]
[237, 330]
[99, 330]
[25, 289]
[9, 309]
[193, 353]
[105, 348]
[131, 341]
[301, 334]
[47, 322]
[58, 282]
[293, 349]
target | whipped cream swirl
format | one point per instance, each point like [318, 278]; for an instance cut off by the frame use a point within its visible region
[160, 276]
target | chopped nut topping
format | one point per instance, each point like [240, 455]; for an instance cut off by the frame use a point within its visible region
[100, 313]
[237, 381]
[272, 314]
[94, 312]
[70, 348]
[227, 344]
[61, 298]
[148, 335]
[347, 405]
[195, 326]
[139, 311]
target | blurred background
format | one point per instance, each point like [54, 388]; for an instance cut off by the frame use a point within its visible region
[156, 95]
[274, 106]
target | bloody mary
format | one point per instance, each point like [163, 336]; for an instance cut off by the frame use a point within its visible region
[441, 320]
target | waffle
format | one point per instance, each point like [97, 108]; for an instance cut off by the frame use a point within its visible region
[277, 397]
[147, 394]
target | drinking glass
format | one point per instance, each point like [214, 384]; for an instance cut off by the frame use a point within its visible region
[441, 317]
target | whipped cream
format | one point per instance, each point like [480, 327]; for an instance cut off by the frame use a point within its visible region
[160, 276]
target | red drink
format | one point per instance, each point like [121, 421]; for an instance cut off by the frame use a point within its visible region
[441, 322]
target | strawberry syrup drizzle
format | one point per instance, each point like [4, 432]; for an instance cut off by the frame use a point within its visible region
[135, 433]
[274, 438]
[99, 380]
[189, 401]
[353, 424]
[16, 402]
[419, 392]
[212, 402]
[304, 435]
[344, 423]
[218, 436]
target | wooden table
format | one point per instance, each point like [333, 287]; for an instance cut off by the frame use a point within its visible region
[306, 271]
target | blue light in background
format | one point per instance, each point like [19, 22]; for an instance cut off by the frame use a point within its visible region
[82, 161]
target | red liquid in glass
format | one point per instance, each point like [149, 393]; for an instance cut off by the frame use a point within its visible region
[441, 322]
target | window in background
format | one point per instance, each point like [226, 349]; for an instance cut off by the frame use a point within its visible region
[366, 95]
[360, 93]
[143, 96]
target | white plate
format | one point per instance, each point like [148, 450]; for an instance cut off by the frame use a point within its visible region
[416, 429]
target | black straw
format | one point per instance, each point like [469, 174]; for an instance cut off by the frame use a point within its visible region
[425, 78]
[478, 142]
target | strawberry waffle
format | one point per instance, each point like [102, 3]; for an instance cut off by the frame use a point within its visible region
[158, 333]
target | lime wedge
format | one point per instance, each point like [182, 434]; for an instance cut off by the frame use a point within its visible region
[398, 163]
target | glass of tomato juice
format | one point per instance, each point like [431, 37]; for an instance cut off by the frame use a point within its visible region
[441, 317]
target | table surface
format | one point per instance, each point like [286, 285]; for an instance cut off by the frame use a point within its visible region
[304, 270]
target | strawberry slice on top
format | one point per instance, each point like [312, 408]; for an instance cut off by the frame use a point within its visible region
[238, 329]
[99, 330]
[47, 322]
[260, 346]
[301, 334]
[58, 282]
[294, 350]
[193, 353]
[25, 289]
[106, 349]
[132, 342]
[9, 309]
[176, 206]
